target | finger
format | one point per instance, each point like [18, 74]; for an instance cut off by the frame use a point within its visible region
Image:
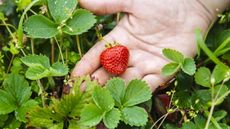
[106, 6]
[154, 80]
[101, 75]
[91, 60]
[149, 67]
[130, 74]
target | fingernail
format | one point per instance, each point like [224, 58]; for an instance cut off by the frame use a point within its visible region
[92, 78]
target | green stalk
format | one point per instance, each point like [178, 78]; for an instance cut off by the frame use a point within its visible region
[208, 52]
[11, 60]
[9, 25]
[223, 45]
[32, 46]
[60, 50]
[210, 115]
[79, 46]
[214, 101]
[20, 25]
[8, 29]
[213, 120]
[52, 50]
[51, 81]
[41, 92]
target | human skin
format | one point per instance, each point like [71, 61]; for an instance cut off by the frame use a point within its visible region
[148, 27]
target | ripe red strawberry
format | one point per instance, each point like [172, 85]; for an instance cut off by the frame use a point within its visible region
[115, 59]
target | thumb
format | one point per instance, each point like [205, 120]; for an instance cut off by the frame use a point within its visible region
[106, 6]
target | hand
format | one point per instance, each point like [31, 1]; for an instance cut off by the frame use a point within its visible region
[147, 28]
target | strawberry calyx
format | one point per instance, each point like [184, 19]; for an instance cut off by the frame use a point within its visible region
[110, 45]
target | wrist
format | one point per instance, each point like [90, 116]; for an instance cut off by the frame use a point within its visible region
[215, 7]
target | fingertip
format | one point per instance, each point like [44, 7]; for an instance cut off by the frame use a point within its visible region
[83, 67]
[154, 81]
[104, 6]
[101, 76]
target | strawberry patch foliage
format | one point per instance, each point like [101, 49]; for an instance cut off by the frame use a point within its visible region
[42, 40]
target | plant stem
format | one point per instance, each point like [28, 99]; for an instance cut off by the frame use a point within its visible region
[162, 121]
[41, 92]
[52, 50]
[60, 50]
[118, 18]
[20, 25]
[207, 51]
[66, 56]
[24, 54]
[32, 46]
[79, 46]
[213, 120]
[214, 100]
[9, 25]
[210, 115]
[162, 117]
[51, 81]
[11, 60]
[33, 12]
[11, 34]
[8, 29]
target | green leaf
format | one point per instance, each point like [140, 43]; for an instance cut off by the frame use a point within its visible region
[219, 115]
[137, 92]
[220, 73]
[16, 66]
[201, 99]
[182, 99]
[2, 17]
[38, 26]
[117, 88]
[7, 104]
[170, 69]
[73, 124]
[22, 4]
[203, 77]
[45, 117]
[112, 118]
[36, 73]
[61, 10]
[69, 105]
[36, 61]
[12, 123]
[170, 126]
[189, 66]
[18, 87]
[207, 51]
[91, 115]
[222, 42]
[134, 116]
[173, 55]
[81, 22]
[39, 67]
[224, 48]
[188, 125]
[199, 123]
[58, 69]
[103, 99]
[3, 119]
[57, 126]
[20, 113]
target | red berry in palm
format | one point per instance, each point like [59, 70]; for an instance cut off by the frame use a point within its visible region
[115, 59]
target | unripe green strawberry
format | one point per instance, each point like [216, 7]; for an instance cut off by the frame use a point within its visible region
[115, 59]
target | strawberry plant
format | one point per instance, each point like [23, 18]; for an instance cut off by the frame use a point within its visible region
[42, 40]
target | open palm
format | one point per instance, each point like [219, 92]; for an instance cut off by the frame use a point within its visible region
[147, 28]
